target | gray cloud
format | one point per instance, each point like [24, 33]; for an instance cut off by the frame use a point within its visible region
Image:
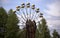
[53, 8]
[53, 17]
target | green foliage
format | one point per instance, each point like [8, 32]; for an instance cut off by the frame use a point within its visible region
[3, 16]
[22, 34]
[3, 19]
[55, 34]
[43, 29]
[37, 34]
[12, 27]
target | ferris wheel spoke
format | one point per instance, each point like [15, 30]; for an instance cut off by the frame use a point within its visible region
[34, 14]
[27, 13]
[22, 20]
[30, 13]
[21, 16]
[36, 17]
[24, 13]
[22, 24]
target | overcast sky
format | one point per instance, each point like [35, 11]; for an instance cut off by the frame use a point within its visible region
[50, 9]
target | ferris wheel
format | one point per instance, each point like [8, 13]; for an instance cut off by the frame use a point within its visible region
[27, 12]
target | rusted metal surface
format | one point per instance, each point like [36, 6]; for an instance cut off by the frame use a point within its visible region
[30, 29]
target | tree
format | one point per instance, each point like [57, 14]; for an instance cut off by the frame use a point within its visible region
[12, 27]
[55, 34]
[37, 34]
[3, 19]
[43, 29]
[22, 33]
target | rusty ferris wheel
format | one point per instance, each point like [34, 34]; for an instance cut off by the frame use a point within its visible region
[28, 15]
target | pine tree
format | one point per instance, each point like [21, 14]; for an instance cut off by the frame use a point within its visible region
[3, 19]
[43, 29]
[55, 34]
[12, 27]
